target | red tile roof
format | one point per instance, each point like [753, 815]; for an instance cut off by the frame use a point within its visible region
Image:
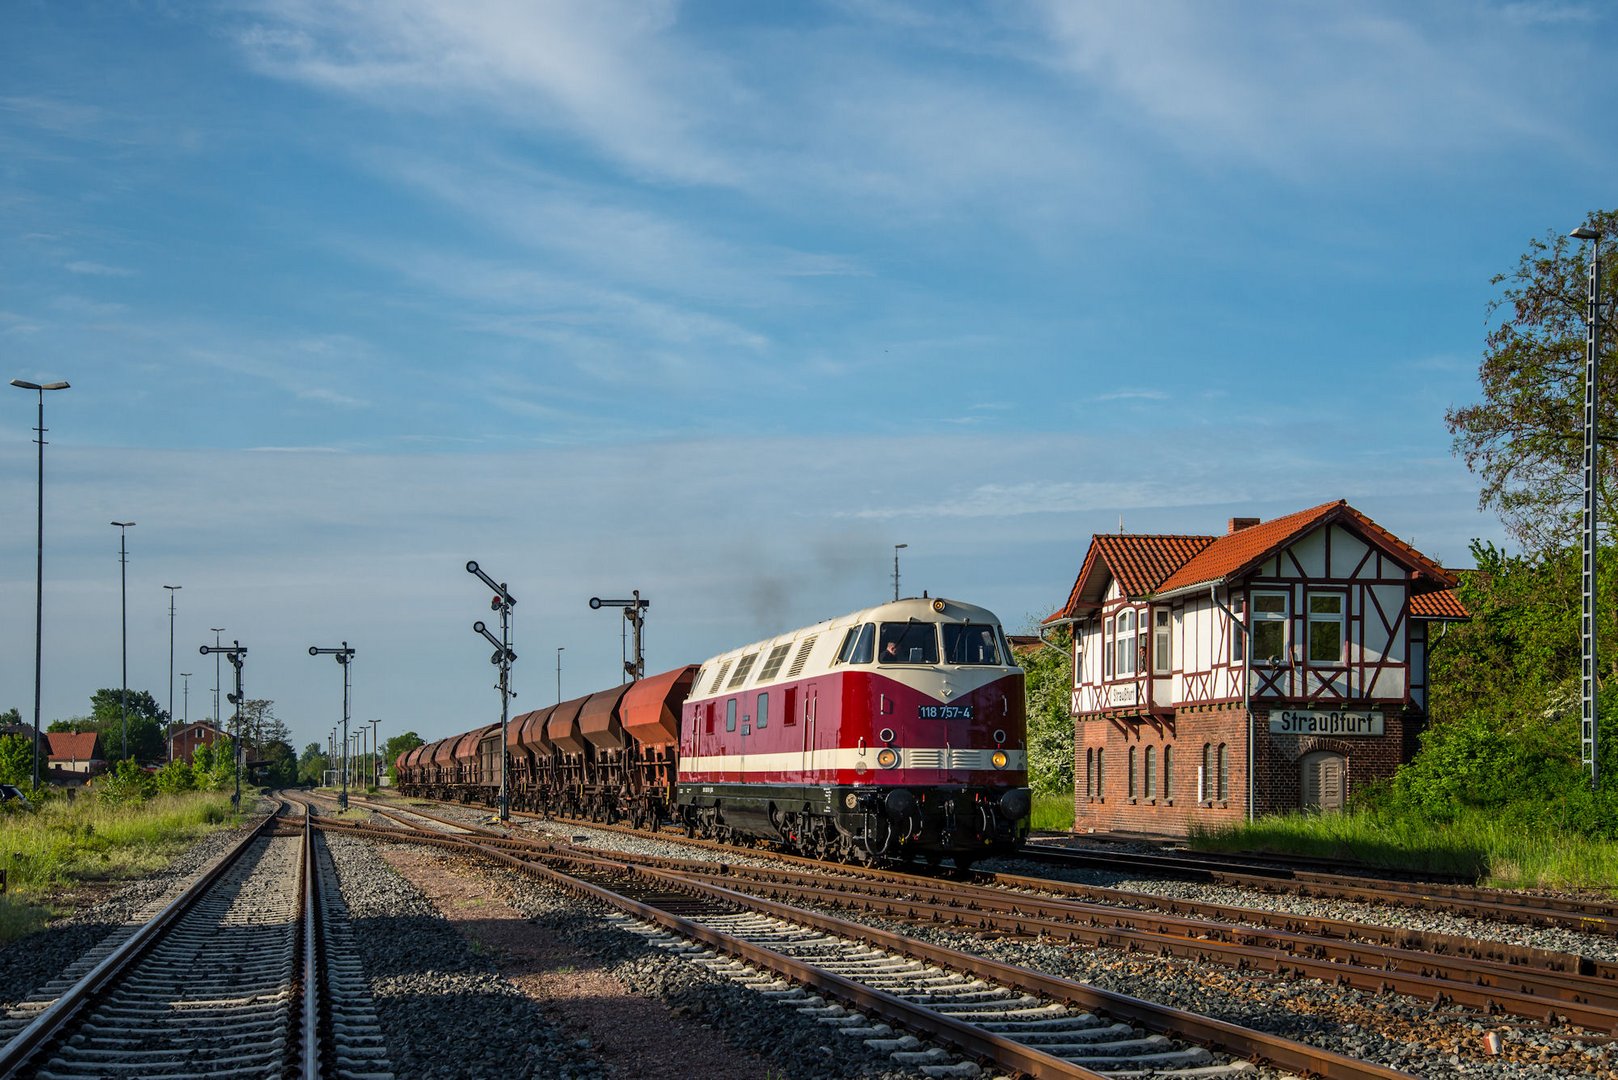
[1440, 604]
[74, 746]
[1154, 565]
[1232, 555]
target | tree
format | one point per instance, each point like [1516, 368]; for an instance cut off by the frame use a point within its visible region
[395, 746]
[10, 716]
[312, 765]
[278, 767]
[16, 760]
[1525, 440]
[1048, 684]
[146, 719]
[260, 725]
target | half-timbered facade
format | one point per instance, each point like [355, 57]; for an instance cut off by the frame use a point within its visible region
[1291, 651]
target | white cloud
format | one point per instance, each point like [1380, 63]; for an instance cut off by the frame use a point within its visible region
[95, 269]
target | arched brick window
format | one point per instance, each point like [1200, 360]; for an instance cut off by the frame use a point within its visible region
[1151, 772]
[1168, 772]
[1132, 787]
[1224, 772]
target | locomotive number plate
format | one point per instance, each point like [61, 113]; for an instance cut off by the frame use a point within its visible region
[943, 712]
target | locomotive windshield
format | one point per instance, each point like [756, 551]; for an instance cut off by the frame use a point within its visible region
[859, 645]
[970, 643]
[908, 643]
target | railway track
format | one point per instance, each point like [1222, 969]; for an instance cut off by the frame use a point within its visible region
[234, 977]
[871, 981]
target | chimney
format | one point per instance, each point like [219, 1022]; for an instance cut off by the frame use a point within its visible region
[1236, 525]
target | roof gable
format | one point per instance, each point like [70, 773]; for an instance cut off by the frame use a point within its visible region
[1138, 563]
[1234, 555]
[74, 746]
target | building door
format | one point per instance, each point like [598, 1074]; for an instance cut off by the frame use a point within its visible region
[1325, 780]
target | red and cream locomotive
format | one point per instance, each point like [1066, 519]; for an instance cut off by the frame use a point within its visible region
[889, 733]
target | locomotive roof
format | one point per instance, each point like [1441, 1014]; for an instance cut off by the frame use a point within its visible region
[919, 609]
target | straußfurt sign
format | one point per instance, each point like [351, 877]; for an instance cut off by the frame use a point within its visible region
[1322, 722]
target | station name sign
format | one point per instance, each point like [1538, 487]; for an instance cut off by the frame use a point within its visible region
[1321, 722]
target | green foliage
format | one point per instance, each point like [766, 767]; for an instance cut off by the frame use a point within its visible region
[16, 760]
[278, 767]
[221, 772]
[175, 778]
[145, 718]
[126, 783]
[1504, 735]
[1052, 813]
[312, 765]
[1048, 683]
[10, 716]
[395, 746]
[1525, 438]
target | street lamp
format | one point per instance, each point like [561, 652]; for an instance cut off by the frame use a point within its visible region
[376, 769]
[896, 549]
[343, 654]
[123, 606]
[1588, 744]
[39, 553]
[172, 590]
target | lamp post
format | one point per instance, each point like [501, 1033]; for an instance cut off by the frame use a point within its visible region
[172, 590]
[39, 553]
[343, 654]
[377, 747]
[1588, 690]
[559, 649]
[186, 721]
[234, 652]
[503, 658]
[123, 608]
[896, 549]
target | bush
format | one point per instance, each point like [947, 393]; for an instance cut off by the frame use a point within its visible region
[176, 777]
[126, 783]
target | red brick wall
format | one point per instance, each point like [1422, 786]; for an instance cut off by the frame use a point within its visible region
[1173, 810]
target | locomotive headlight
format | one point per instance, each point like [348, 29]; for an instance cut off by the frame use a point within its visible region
[999, 759]
[938, 606]
[851, 800]
[887, 757]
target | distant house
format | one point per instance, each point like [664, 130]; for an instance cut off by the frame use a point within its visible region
[77, 754]
[1277, 667]
[185, 738]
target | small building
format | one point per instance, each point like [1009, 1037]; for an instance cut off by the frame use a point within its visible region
[76, 753]
[185, 738]
[1278, 667]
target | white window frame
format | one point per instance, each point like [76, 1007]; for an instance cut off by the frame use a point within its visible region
[1284, 617]
[1340, 620]
[1125, 646]
[1106, 648]
[1162, 641]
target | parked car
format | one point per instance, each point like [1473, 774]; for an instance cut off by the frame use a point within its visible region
[11, 796]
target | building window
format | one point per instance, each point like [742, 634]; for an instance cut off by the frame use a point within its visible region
[1238, 633]
[1125, 662]
[1270, 628]
[1078, 655]
[1151, 772]
[1325, 628]
[1132, 788]
[1106, 650]
[1223, 792]
[1168, 772]
[1162, 641]
[1205, 774]
[1101, 773]
[1089, 773]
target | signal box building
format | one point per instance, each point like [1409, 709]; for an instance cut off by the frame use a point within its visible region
[1278, 667]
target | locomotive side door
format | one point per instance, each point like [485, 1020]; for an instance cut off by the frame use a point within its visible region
[811, 701]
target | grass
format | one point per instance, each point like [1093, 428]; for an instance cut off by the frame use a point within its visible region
[62, 844]
[1475, 846]
[1052, 813]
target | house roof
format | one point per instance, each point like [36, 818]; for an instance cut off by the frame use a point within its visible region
[1138, 562]
[1440, 604]
[74, 746]
[1233, 555]
[1147, 566]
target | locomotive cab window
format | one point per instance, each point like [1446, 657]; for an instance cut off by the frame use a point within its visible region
[970, 643]
[909, 643]
[859, 645]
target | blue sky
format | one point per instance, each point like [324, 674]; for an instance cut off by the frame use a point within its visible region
[721, 301]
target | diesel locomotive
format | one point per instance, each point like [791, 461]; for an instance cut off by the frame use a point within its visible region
[890, 733]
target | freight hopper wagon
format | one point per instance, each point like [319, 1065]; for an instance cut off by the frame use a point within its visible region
[889, 733]
[606, 756]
